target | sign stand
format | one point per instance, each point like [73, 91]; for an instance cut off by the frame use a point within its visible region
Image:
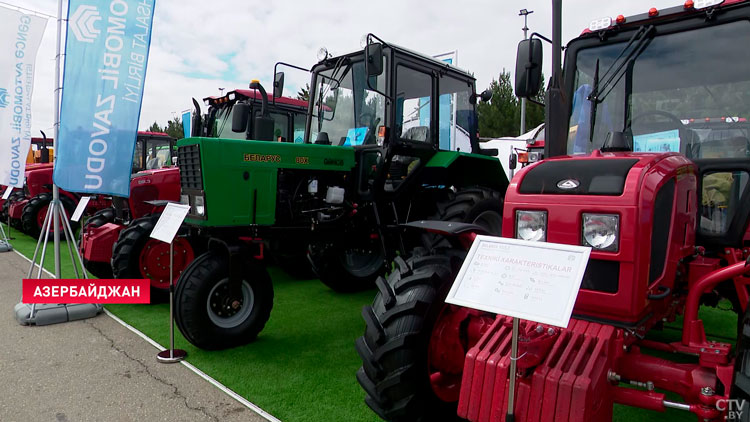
[534, 281]
[512, 374]
[165, 230]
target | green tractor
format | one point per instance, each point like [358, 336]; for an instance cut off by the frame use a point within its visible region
[390, 138]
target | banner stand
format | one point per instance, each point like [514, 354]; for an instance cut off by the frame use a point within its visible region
[5, 245]
[46, 314]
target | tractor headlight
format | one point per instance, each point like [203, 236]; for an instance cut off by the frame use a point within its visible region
[531, 225]
[601, 231]
[199, 205]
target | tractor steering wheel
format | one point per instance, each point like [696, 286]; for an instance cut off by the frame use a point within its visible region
[687, 141]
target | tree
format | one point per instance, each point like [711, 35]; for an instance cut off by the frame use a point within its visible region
[304, 93]
[155, 128]
[174, 128]
[501, 116]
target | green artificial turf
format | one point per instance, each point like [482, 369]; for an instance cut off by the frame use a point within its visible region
[302, 366]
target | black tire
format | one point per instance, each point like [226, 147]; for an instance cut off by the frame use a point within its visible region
[201, 321]
[30, 216]
[394, 372]
[741, 381]
[100, 218]
[347, 268]
[480, 206]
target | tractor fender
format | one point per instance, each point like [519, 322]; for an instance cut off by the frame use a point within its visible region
[239, 254]
[462, 234]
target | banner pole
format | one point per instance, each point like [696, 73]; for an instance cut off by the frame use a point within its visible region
[55, 189]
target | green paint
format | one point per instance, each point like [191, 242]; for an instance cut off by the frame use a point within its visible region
[229, 196]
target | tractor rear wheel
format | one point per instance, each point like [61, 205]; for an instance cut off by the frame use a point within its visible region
[403, 380]
[35, 211]
[211, 314]
[480, 206]
[136, 255]
[741, 381]
[347, 268]
[100, 218]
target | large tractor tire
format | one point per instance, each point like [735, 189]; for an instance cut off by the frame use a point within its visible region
[136, 255]
[210, 314]
[480, 206]
[741, 381]
[403, 377]
[347, 268]
[34, 212]
[100, 218]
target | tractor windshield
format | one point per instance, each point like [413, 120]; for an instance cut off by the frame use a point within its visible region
[223, 123]
[659, 96]
[346, 111]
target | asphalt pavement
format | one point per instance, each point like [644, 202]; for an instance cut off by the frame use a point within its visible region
[95, 370]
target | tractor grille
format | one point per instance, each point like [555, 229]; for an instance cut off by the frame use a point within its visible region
[189, 161]
[602, 276]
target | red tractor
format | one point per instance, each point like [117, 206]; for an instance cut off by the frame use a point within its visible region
[116, 242]
[664, 210]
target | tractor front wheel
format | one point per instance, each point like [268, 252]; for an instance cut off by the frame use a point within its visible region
[35, 211]
[480, 206]
[5, 210]
[347, 268]
[137, 255]
[211, 313]
[414, 344]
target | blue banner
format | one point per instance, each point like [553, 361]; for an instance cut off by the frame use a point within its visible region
[106, 53]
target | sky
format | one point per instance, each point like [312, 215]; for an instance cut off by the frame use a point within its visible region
[199, 46]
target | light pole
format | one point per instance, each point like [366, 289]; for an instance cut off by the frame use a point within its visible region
[525, 13]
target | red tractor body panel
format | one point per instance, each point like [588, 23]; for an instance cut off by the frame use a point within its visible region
[97, 242]
[626, 302]
[16, 209]
[150, 185]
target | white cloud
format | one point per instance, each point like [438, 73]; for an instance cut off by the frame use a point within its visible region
[199, 46]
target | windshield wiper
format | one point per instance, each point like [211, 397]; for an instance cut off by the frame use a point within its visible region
[638, 44]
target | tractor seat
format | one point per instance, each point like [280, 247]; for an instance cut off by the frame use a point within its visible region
[417, 133]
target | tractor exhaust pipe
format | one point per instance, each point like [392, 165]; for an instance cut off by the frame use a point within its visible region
[555, 118]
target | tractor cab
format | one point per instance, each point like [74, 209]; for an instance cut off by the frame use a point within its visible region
[647, 87]
[288, 115]
[397, 108]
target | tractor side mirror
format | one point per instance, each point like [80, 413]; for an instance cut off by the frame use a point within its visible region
[240, 117]
[528, 68]
[486, 95]
[278, 84]
[513, 161]
[374, 59]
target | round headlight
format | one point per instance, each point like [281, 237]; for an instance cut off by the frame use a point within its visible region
[531, 225]
[601, 231]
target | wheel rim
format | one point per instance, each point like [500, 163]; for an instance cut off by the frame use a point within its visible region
[490, 221]
[227, 310]
[42, 214]
[153, 261]
[362, 262]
